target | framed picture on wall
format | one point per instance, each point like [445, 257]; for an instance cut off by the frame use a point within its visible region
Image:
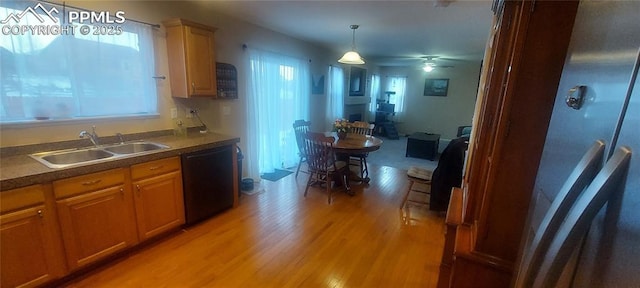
[357, 80]
[317, 84]
[436, 87]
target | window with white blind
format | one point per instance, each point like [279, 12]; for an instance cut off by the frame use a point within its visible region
[375, 95]
[398, 85]
[58, 74]
[335, 95]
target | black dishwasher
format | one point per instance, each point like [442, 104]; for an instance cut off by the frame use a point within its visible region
[207, 177]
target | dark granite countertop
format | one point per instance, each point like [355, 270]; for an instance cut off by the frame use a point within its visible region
[19, 170]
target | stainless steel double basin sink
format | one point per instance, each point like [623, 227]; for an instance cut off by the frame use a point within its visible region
[70, 157]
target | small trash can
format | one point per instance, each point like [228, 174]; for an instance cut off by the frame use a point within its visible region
[247, 184]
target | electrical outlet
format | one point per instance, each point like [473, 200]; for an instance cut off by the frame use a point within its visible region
[174, 113]
[188, 112]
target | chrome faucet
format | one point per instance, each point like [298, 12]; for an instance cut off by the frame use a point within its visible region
[92, 136]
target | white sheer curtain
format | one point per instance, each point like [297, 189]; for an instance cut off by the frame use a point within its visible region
[335, 99]
[397, 84]
[278, 90]
[74, 76]
[375, 94]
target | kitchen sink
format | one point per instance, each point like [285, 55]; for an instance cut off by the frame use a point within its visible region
[76, 156]
[70, 157]
[134, 147]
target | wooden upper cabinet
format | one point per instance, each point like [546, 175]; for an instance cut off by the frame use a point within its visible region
[192, 58]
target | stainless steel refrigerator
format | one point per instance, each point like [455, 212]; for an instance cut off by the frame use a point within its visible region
[602, 65]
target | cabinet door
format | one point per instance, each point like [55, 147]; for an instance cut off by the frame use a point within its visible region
[159, 204]
[201, 62]
[96, 224]
[27, 248]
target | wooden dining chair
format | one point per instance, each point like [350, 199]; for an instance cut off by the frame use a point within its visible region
[580, 177]
[300, 127]
[360, 160]
[323, 166]
[609, 181]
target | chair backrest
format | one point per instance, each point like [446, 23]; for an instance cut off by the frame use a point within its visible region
[580, 177]
[319, 151]
[362, 128]
[607, 183]
[301, 127]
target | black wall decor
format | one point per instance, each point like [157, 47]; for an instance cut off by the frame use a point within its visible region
[357, 80]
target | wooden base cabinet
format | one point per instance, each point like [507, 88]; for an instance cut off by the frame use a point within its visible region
[158, 196]
[49, 231]
[29, 241]
[96, 216]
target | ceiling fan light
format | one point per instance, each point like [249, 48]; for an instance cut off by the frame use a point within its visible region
[351, 57]
[427, 68]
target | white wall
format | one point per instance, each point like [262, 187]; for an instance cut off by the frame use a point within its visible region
[440, 115]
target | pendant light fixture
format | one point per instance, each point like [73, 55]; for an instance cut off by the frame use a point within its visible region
[352, 57]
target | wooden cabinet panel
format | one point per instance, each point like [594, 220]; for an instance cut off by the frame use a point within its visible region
[192, 59]
[97, 223]
[29, 241]
[159, 204]
[24, 247]
[154, 168]
[525, 57]
[538, 55]
[20, 198]
[90, 182]
[201, 61]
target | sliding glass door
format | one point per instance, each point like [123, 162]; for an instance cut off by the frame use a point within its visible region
[278, 91]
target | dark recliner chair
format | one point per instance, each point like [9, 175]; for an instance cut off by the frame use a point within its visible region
[448, 174]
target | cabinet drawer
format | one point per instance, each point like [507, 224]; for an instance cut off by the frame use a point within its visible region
[90, 182]
[155, 168]
[22, 197]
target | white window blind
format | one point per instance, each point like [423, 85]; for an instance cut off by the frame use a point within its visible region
[64, 75]
[375, 95]
[397, 84]
[335, 99]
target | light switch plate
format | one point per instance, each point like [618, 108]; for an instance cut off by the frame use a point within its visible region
[174, 113]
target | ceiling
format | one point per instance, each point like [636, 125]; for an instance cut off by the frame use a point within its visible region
[391, 33]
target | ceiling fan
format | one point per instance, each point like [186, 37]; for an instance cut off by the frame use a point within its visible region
[429, 64]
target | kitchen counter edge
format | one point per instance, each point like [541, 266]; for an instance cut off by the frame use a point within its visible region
[22, 170]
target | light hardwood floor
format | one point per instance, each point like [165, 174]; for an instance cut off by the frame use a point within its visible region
[279, 238]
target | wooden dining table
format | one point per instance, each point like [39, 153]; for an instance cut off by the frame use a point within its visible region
[354, 144]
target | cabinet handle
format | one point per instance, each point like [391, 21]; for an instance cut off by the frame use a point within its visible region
[88, 183]
[122, 192]
[156, 167]
[138, 190]
[193, 87]
[40, 213]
